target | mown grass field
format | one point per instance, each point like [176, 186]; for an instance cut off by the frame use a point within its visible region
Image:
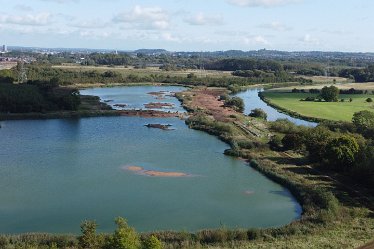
[339, 111]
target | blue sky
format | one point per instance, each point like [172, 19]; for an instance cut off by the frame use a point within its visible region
[190, 25]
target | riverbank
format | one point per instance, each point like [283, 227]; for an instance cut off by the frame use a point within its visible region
[328, 220]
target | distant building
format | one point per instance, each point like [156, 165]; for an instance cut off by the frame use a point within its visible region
[4, 49]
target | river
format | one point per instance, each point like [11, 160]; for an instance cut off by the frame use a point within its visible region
[252, 101]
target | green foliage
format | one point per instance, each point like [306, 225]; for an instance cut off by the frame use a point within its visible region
[369, 100]
[236, 103]
[341, 152]
[330, 94]
[124, 237]
[6, 76]
[292, 141]
[88, 239]
[284, 126]
[152, 243]
[276, 141]
[363, 120]
[37, 96]
[258, 113]
[316, 141]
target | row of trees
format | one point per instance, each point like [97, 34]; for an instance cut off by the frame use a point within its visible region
[67, 77]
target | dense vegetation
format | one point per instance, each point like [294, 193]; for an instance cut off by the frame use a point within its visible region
[359, 74]
[37, 96]
[346, 148]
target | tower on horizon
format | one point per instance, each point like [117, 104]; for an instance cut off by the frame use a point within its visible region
[4, 49]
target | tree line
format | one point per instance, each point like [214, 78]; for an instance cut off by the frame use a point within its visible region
[37, 96]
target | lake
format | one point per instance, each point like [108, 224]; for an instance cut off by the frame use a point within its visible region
[56, 173]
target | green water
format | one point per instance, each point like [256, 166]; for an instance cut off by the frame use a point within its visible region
[56, 173]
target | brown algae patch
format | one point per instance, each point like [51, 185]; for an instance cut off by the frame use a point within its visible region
[154, 173]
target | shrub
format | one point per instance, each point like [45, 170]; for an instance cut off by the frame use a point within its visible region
[276, 141]
[258, 113]
[292, 141]
[124, 237]
[341, 152]
[152, 243]
[236, 103]
[369, 100]
[311, 99]
[89, 237]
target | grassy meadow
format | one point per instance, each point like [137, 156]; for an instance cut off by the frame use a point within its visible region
[339, 111]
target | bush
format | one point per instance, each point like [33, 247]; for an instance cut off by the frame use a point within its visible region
[292, 141]
[236, 103]
[341, 152]
[311, 99]
[124, 237]
[276, 142]
[369, 100]
[152, 243]
[89, 238]
[258, 113]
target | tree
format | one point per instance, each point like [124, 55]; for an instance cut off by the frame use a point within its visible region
[330, 94]
[341, 152]
[316, 141]
[258, 113]
[363, 120]
[89, 238]
[235, 102]
[152, 243]
[292, 141]
[124, 237]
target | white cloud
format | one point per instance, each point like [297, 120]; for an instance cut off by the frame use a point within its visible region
[276, 26]
[41, 19]
[144, 17]
[310, 40]
[89, 24]
[201, 19]
[256, 40]
[261, 3]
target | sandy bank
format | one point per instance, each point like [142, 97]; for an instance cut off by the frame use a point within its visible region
[154, 173]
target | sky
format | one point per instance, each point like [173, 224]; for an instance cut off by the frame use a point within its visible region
[190, 25]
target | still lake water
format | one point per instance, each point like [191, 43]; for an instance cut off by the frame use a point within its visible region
[56, 173]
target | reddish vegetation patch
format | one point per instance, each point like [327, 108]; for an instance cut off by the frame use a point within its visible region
[208, 99]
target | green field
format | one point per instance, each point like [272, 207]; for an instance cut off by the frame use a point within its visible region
[333, 111]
